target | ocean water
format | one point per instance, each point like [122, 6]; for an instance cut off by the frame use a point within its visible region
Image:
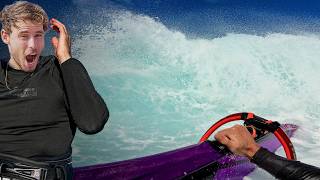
[164, 90]
[165, 82]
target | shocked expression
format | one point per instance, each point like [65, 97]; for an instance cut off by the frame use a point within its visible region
[25, 43]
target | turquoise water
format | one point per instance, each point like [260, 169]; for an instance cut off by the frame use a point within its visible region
[164, 89]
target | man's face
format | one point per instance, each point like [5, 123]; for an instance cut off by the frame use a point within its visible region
[25, 44]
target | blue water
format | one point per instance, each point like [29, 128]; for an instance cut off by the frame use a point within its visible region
[169, 69]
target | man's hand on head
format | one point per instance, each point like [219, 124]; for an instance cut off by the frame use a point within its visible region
[239, 141]
[61, 44]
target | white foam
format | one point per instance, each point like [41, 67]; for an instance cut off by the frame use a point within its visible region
[154, 72]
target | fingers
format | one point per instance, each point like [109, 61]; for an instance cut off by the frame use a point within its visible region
[55, 28]
[223, 137]
[59, 28]
[55, 42]
[238, 139]
[61, 44]
[228, 137]
[57, 25]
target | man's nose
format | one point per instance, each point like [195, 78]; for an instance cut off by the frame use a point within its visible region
[31, 43]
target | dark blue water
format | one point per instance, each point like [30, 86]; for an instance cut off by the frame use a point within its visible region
[205, 18]
[195, 18]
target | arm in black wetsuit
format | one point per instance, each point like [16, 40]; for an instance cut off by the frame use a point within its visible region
[283, 168]
[239, 141]
[87, 108]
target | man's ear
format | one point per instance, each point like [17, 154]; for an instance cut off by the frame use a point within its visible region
[5, 36]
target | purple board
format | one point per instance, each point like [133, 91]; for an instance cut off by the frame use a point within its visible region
[178, 163]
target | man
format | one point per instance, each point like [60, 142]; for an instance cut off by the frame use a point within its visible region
[42, 99]
[239, 141]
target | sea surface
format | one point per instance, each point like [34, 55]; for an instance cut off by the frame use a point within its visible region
[169, 69]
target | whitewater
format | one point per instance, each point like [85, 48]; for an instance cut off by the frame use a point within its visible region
[164, 89]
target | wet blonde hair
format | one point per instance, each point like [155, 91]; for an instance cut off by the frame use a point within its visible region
[22, 10]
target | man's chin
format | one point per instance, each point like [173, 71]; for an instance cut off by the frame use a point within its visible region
[28, 70]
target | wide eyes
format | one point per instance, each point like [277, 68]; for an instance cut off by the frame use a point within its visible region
[38, 35]
[24, 36]
[27, 36]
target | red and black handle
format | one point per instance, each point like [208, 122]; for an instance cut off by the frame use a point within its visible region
[260, 126]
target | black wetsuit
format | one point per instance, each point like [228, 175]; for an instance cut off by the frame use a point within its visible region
[40, 114]
[282, 168]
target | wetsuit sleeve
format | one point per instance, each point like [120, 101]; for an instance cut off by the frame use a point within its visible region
[282, 168]
[87, 108]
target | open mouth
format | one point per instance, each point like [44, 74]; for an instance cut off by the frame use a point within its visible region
[31, 58]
